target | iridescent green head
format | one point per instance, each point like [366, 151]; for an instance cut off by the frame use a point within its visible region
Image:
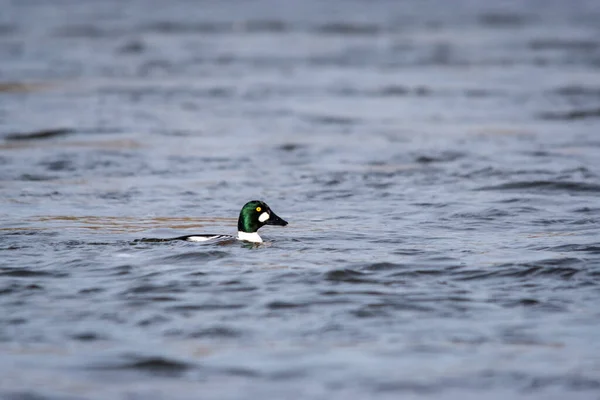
[255, 214]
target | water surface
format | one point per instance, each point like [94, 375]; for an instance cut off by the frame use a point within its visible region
[438, 165]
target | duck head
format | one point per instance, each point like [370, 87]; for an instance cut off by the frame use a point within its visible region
[255, 214]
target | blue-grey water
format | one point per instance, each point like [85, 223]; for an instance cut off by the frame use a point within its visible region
[438, 164]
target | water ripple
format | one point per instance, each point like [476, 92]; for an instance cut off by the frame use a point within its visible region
[159, 366]
[546, 186]
[30, 273]
[193, 257]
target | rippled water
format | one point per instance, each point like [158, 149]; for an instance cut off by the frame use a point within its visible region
[439, 165]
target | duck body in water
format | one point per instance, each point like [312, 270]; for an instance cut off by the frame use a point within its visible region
[254, 215]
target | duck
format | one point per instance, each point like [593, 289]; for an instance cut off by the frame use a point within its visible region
[254, 215]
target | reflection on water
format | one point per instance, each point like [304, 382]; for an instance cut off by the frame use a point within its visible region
[438, 165]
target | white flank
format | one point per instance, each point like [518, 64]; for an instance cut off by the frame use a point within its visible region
[249, 237]
[200, 238]
[263, 217]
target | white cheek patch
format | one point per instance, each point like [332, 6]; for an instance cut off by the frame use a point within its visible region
[263, 217]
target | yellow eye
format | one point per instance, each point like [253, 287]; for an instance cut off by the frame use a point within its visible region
[258, 209]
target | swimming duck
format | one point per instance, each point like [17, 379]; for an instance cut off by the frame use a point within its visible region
[253, 216]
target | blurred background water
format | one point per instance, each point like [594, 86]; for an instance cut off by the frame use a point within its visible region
[438, 163]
